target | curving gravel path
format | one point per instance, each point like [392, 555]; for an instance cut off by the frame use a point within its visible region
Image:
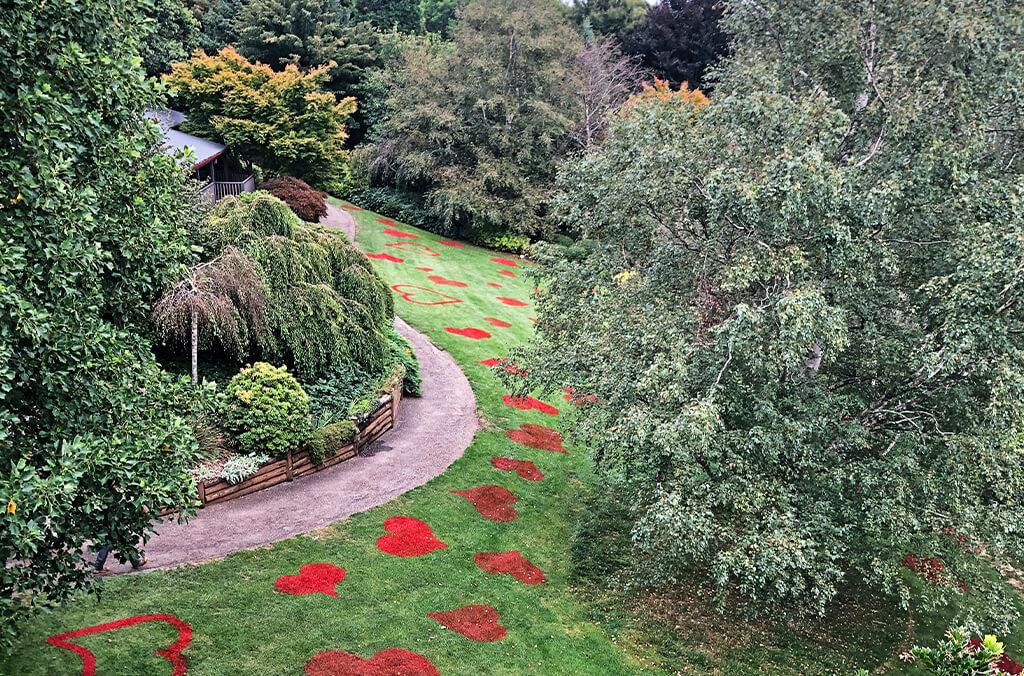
[432, 432]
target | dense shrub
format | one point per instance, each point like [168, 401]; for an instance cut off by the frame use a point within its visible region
[518, 244]
[401, 348]
[331, 396]
[266, 410]
[407, 207]
[307, 202]
[327, 440]
[241, 467]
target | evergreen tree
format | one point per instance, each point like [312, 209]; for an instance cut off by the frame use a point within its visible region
[610, 18]
[679, 40]
[401, 15]
[173, 36]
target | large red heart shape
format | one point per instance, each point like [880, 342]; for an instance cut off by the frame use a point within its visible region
[525, 403]
[415, 247]
[505, 261]
[493, 502]
[524, 468]
[398, 233]
[408, 537]
[477, 623]
[512, 302]
[172, 653]
[537, 436]
[313, 578]
[385, 257]
[509, 563]
[420, 291]
[444, 281]
[469, 332]
[388, 662]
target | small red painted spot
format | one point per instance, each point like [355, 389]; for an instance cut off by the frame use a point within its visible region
[537, 436]
[475, 334]
[509, 563]
[425, 269]
[386, 221]
[313, 578]
[444, 281]
[512, 302]
[477, 623]
[388, 662]
[408, 537]
[505, 261]
[351, 207]
[398, 233]
[507, 273]
[384, 257]
[452, 242]
[494, 321]
[524, 468]
[495, 285]
[495, 503]
[525, 403]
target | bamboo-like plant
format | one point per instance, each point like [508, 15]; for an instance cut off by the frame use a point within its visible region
[222, 299]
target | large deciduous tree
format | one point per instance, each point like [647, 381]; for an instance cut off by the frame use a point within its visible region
[94, 440]
[680, 39]
[479, 126]
[284, 121]
[609, 18]
[173, 35]
[797, 309]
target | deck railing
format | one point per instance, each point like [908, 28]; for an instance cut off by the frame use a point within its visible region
[224, 188]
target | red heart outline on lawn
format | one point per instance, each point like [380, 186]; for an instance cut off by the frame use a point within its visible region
[398, 233]
[387, 662]
[385, 257]
[512, 302]
[408, 537]
[526, 469]
[494, 503]
[509, 563]
[524, 403]
[537, 436]
[171, 653]
[477, 622]
[444, 281]
[313, 578]
[414, 247]
[400, 290]
[468, 332]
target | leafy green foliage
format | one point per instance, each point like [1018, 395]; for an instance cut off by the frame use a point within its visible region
[401, 15]
[327, 440]
[93, 226]
[797, 308]
[438, 16]
[218, 22]
[307, 202]
[332, 395]
[958, 655]
[611, 18]
[284, 121]
[266, 410]
[401, 348]
[241, 467]
[174, 34]
[478, 127]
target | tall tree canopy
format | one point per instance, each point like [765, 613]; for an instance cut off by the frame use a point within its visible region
[285, 122]
[93, 438]
[402, 15]
[172, 37]
[610, 18]
[479, 126]
[680, 39]
[798, 309]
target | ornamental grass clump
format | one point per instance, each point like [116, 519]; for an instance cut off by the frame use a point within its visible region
[266, 410]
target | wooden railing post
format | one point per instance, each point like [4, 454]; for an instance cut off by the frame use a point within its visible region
[289, 472]
[202, 492]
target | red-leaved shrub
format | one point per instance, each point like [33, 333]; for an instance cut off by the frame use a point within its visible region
[306, 201]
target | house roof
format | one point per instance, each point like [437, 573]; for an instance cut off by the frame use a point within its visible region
[203, 151]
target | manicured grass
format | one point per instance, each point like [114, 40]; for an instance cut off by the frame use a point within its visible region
[242, 625]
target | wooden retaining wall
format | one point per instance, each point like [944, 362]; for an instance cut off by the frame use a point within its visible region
[297, 464]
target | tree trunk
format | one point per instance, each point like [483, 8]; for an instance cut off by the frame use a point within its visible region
[195, 348]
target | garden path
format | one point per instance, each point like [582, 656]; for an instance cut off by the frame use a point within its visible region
[338, 218]
[432, 432]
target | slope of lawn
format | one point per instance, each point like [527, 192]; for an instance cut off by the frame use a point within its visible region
[241, 624]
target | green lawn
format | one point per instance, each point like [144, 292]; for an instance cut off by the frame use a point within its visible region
[242, 625]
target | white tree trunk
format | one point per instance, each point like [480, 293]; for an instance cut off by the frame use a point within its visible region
[195, 348]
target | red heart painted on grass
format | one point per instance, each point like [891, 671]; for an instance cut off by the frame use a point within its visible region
[494, 321]
[351, 207]
[452, 242]
[438, 279]
[524, 468]
[385, 257]
[524, 403]
[425, 269]
[415, 247]
[398, 233]
[313, 578]
[507, 273]
[418, 291]
[509, 563]
[386, 221]
[469, 332]
[172, 653]
[388, 662]
[477, 623]
[492, 502]
[537, 436]
[495, 285]
[512, 301]
[408, 537]
[505, 261]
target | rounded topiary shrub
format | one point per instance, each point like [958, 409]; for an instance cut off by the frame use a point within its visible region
[266, 410]
[307, 202]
